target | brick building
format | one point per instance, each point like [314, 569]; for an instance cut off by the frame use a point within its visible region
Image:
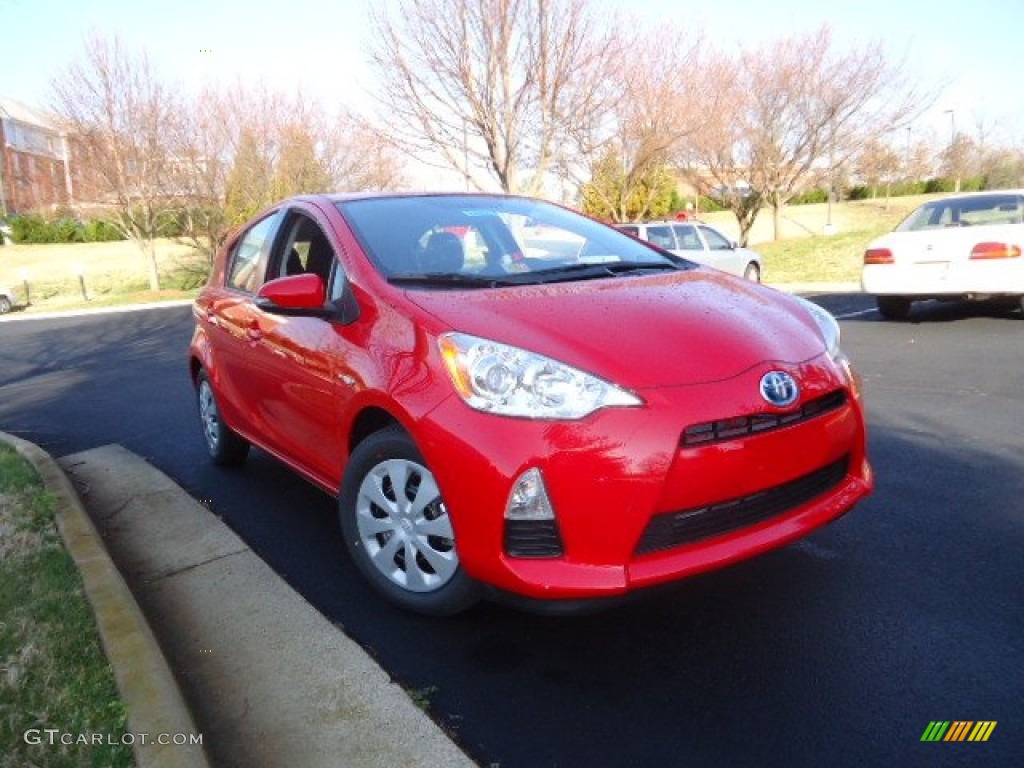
[34, 168]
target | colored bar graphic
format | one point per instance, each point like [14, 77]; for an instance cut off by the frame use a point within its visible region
[982, 730]
[958, 730]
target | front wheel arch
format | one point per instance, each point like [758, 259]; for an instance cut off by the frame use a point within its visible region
[403, 544]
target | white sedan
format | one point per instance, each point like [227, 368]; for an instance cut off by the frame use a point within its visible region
[962, 247]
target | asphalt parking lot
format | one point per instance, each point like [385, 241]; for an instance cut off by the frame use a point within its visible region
[837, 650]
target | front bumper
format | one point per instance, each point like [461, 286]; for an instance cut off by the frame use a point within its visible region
[617, 473]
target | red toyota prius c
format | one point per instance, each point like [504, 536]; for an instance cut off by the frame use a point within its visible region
[512, 400]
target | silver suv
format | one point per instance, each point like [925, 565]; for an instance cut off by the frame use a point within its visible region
[700, 242]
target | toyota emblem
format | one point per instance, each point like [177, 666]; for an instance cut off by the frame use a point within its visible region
[779, 388]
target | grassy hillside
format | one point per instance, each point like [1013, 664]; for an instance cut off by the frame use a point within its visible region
[114, 273]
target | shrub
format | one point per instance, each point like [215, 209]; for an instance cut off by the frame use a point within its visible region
[33, 228]
[99, 231]
[932, 186]
[972, 184]
[902, 188]
[810, 196]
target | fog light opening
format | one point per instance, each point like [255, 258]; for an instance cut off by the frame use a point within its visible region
[529, 498]
[531, 530]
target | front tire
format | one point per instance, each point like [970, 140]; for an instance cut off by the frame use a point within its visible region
[397, 528]
[225, 446]
[752, 273]
[5, 305]
[893, 307]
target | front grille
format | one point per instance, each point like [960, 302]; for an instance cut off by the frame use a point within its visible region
[532, 539]
[672, 529]
[741, 426]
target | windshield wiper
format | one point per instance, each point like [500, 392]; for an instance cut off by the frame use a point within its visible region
[564, 273]
[597, 271]
[451, 280]
[623, 267]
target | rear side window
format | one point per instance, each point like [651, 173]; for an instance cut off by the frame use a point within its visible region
[661, 237]
[688, 240]
[715, 241]
[243, 273]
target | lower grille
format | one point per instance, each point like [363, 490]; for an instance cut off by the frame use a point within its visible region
[673, 529]
[533, 539]
[742, 426]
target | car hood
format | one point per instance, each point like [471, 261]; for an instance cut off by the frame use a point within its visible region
[639, 331]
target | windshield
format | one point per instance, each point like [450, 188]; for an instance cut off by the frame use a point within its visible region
[975, 210]
[461, 241]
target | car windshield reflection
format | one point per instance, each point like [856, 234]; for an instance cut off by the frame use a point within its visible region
[483, 241]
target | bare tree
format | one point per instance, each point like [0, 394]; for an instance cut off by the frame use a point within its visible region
[664, 94]
[119, 112]
[960, 159]
[717, 158]
[919, 161]
[498, 89]
[359, 157]
[802, 107]
[878, 163]
[288, 144]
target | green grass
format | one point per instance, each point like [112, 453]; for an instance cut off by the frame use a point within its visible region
[820, 258]
[113, 273]
[53, 673]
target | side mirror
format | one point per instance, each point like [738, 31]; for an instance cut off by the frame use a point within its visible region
[297, 296]
[305, 296]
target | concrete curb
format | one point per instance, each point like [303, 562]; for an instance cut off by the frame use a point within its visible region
[269, 679]
[151, 694]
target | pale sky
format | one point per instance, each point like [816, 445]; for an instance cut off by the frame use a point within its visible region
[319, 45]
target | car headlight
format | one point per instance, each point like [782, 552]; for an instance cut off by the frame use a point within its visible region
[498, 378]
[827, 325]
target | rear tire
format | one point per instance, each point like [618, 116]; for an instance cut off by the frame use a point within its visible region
[397, 529]
[893, 307]
[225, 446]
[752, 272]
[5, 305]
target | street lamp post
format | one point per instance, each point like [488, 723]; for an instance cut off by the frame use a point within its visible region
[80, 271]
[953, 159]
[24, 275]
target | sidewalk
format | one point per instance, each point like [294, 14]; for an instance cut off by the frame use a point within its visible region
[267, 679]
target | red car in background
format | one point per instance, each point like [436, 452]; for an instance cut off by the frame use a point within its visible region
[510, 398]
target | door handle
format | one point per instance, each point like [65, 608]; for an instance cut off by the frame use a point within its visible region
[253, 331]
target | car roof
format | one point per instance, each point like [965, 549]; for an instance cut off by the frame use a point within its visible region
[342, 197]
[979, 193]
[658, 222]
